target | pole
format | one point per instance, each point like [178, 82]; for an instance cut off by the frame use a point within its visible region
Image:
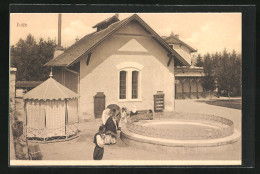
[45, 121]
[59, 30]
[25, 105]
[66, 117]
[190, 87]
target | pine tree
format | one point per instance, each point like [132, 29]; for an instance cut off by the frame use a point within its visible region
[208, 81]
[235, 74]
[215, 59]
[229, 74]
[199, 61]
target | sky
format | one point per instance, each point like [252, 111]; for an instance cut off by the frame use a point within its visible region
[206, 32]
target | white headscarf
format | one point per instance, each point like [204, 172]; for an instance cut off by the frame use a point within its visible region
[105, 115]
[134, 109]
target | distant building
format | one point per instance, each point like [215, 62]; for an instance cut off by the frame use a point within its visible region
[188, 82]
[24, 86]
[183, 49]
[188, 79]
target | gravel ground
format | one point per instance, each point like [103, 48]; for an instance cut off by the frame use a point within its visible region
[81, 148]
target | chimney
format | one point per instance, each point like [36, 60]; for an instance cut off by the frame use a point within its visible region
[59, 49]
[77, 39]
[176, 35]
[59, 30]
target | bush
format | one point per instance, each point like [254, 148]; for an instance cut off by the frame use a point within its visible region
[17, 128]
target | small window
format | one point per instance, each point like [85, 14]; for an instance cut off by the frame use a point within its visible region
[134, 84]
[122, 87]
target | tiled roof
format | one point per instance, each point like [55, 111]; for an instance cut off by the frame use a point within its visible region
[82, 46]
[191, 71]
[27, 84]
[87, 43]
[107, 21]
[177, 40]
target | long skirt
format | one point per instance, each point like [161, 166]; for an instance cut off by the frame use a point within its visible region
[98, 153]
[110, 139]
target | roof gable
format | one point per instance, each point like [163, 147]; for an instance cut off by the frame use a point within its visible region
[132, 45]
[175, 40]
[172, 40]
[89, 42]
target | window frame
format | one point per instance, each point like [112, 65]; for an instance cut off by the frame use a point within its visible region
[135, 85]
[129, 67]
[125, 84]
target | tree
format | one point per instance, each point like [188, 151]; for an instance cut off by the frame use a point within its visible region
[208, 81]
[239, 72]
[223, 72]
[229, 74]
[215, 60]
[227, 71]
[235, 74]
[28, 57]
[199, 61]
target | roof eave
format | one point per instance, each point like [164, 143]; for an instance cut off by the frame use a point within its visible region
[125, 22]
[162, 41]
[48, 64]
[192, 49]
[94, 46]
[105, 21]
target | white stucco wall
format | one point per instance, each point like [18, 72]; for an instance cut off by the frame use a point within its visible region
[184, 52]
[119, 51]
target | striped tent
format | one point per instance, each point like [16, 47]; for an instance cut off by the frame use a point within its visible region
[51, 111]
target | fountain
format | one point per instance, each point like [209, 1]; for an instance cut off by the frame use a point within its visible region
[182, 133]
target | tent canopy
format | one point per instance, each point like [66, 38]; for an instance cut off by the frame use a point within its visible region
[50, 90]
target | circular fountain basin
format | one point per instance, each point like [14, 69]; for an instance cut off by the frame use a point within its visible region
[185, 130]
[182, 134]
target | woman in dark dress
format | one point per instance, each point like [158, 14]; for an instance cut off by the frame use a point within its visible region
[99, 142]
[111, 129]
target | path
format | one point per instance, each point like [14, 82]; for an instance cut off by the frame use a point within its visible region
[82, 147]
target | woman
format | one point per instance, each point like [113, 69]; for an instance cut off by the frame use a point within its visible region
[123, 118]
[111, 129]
[105, 115]
[99, 142]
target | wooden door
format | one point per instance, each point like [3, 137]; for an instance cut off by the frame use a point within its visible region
[99, 104]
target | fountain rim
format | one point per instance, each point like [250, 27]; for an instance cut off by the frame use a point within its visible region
[226, 129]
[125, 133]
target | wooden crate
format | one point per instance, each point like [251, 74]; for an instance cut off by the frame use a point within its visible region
[159, 102]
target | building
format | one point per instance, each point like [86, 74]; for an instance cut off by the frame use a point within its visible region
[24, 86]
[188, 83]
[183, 49]
[188, 79]
[125, 60]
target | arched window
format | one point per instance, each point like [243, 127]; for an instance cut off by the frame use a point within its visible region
[122, 87]
[130, 80]
[134, 84]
